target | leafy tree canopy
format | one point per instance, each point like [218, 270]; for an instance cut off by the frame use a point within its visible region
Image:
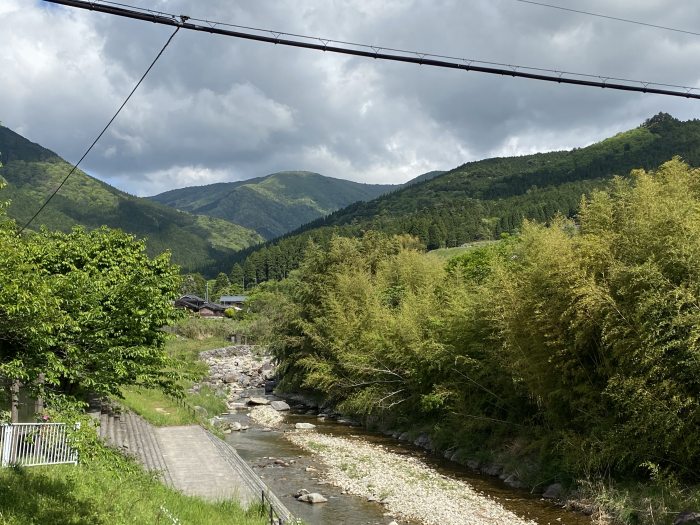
[85, 309]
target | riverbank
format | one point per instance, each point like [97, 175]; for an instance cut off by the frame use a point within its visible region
[408, 489]
[106, 489]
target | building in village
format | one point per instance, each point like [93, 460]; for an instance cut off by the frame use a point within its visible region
[198, 305]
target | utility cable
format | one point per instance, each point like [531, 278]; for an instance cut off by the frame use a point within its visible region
[608, 17]
[75, 167]
[384, 53]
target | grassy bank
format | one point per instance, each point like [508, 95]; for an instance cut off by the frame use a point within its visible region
[162, 410]
[109, 490]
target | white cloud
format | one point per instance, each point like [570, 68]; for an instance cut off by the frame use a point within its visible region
[216, 108]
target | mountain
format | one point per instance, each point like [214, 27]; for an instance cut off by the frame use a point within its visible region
[274, 204]
[424, 177]
[32, 172]
[482, 199]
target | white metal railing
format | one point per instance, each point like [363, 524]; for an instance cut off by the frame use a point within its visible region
[31, 444]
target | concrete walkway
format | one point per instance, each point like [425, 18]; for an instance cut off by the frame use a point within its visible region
[199, 468]
[186, 457]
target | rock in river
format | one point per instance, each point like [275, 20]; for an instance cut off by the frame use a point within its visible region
[280, 406]
[304, 426]
[314, 497]
[258, 401]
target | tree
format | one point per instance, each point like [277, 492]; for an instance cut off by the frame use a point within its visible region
[220, 284]
[86, 309]
[193, 284]
[236, 276]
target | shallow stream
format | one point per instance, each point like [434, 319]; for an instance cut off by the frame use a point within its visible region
[261, 447]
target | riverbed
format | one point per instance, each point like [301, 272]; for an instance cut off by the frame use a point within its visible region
[369, 478]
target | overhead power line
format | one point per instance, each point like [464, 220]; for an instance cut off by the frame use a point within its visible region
[381, 53]
[75, 167]
[608, 17]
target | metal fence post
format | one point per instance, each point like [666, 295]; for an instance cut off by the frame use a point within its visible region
[6, 445]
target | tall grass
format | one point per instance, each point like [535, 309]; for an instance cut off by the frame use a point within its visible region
[161, 410]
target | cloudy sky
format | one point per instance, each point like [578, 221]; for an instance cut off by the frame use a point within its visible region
[216, 108]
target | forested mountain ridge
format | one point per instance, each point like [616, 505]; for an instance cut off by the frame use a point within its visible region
[32, 172]
[482, 199]
[275, 204]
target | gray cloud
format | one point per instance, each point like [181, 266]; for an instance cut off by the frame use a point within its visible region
[216, 108]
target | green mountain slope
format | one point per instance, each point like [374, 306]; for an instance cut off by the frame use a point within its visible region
[275, 204]
[32, 172]
[480, 200]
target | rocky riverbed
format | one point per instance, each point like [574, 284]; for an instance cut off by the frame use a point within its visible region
[235, 369]
[404, 485]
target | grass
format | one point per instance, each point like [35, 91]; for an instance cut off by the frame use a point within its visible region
[109, 490]
[161, 410]
[654, 502]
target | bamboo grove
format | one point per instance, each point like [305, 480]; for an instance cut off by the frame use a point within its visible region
[576, 342]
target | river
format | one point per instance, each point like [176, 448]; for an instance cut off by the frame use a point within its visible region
[287, 468]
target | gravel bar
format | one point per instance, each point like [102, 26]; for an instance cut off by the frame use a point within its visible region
[407, 487]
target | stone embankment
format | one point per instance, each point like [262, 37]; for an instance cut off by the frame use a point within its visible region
[407, 487]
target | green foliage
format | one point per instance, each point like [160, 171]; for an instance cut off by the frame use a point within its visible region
[602, 325]
[199, 328]
[110, 490]
[576, 344]
[84, 311]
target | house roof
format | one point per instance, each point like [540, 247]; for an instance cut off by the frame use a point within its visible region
[233, 298]
[197, 303]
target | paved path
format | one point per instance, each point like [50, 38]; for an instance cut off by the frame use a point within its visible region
[187, 458]
[198, 467]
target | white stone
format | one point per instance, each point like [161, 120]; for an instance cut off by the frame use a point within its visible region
[304, 426]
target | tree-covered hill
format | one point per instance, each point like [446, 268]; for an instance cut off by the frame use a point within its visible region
[482, 199]
[274, 204]
[198, 243]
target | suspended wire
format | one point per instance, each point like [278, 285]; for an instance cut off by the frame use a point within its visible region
[381, 52]
[608, 17]
[75, 167]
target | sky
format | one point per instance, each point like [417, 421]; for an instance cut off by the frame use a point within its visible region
[217, 109]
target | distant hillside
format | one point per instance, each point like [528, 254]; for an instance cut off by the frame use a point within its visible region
[480, 200]
[275, 204]
[31, 171]
[424, 177]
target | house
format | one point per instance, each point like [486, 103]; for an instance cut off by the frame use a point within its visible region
[198, 305]
[233, 301]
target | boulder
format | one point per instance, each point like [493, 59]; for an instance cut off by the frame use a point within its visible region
[553, 491]
[491, 470]
[258, 401]
[314, 497]
[299, 493]
[280, 406]
[304, 426]
[473, 464]
[687, 518]
[424, 441]
[230, 378]
[514, 481]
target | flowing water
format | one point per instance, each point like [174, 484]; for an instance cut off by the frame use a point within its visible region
[260, 448]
